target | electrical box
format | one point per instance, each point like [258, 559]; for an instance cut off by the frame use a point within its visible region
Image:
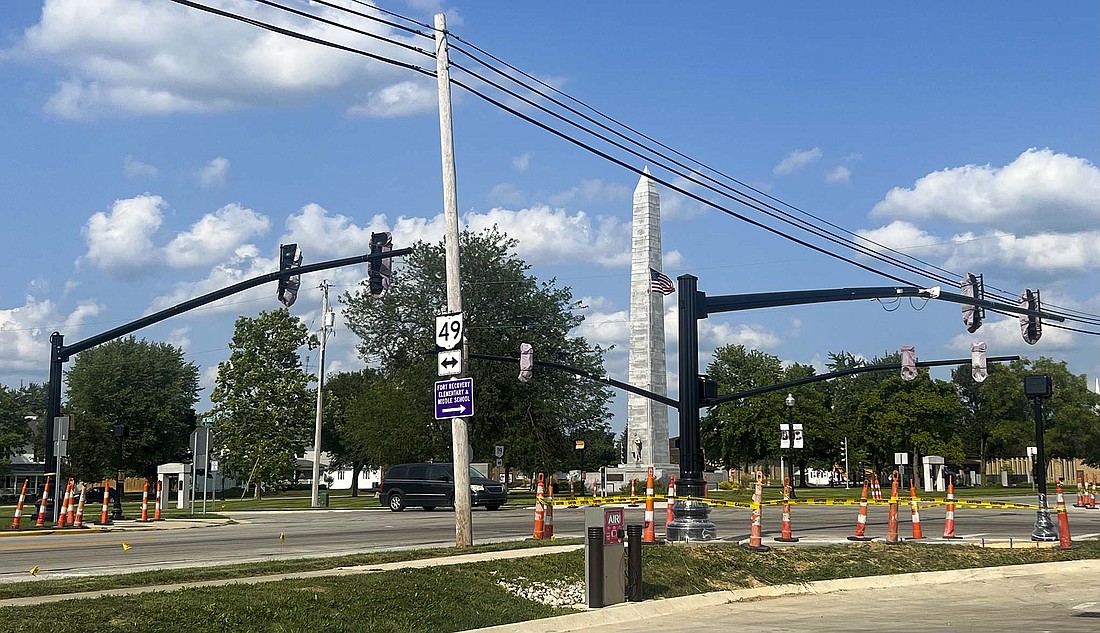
[613, 522]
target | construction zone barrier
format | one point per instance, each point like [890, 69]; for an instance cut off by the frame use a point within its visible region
[19, 505]
[145, 503]
[949, 516]
[159, 505]
[918, 533]
[785, 531]
[892, 524]
[78, 521]
[755, 541]
[1064, 539]
[104, 518]
[648, 533]
[861, 518]
[41, 521]
[540, 510]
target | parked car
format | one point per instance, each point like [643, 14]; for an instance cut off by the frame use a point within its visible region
[432, 485]
[95, 495]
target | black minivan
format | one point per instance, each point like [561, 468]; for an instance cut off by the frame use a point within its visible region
[432, 485]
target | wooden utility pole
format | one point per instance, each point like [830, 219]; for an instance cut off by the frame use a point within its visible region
[460, 443]
[325, 324]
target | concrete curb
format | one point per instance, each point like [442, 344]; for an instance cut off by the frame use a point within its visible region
[121, 526]
[633, 611]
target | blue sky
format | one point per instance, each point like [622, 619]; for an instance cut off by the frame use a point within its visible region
[152, 153]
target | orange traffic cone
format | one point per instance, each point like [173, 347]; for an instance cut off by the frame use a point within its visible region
[861, 519]
[755, 542]
[1081, 494]
[633, 496]
[78, 521]
[876, 489]
[71, 515]
[61, 518]
[159, 505]
[785, 533]
[670, 503]
[1064, 539]
[917, 532]
[949, 518]
[145, 503]
[648, 533]
[19, 506]
[540, 511]
[41, 522]
[892, 525]
[548, 525]
[104, 518]
[572, 498]
[1092, 494]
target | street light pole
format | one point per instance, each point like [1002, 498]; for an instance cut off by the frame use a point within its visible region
[790, 429]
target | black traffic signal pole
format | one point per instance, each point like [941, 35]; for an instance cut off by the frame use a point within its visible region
[60, 353]
[691, 522]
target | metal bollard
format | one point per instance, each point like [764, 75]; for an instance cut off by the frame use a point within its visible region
[634, 563]
[595, 567]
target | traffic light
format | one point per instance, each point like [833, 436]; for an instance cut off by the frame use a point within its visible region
[908, 362]
[844, 450]
[1030, 325]
[526, 361]
[977, 362]
[289, 257]
[380, 268]
[972, 286]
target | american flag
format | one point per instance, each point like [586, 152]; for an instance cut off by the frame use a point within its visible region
[659, 282]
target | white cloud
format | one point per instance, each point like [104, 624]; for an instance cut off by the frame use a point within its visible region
[215, 236]
[591, 191]
[905, 237]
[521, 162]
[149, 57]
[797, 160]
[137, 169]
[839, 174]
[215, 173]
[1039, 190]
[120, 241]
[553, 235]
[323, 235]
[178, 338]
[506, 193]
[244, 264]
[402, 99]
[676, 206]
[25, 333]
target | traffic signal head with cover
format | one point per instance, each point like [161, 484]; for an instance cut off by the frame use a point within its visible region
[972, 314]
[289, 257]
[908, 362]
[526, 361]
[380, 243]
[1030, 325]
[977, 362]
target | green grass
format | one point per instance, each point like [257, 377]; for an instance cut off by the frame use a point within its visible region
[467, 596]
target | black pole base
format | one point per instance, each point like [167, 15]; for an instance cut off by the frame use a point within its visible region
[1044, 529]
[792, 539]
[756, 548]
[862, 539]
[956, 538]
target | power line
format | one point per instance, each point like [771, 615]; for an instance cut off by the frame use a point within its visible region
[735, 195]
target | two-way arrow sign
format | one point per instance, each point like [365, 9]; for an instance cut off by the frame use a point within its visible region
[449, 363]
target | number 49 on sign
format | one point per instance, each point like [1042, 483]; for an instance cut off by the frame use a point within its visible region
[448, 330]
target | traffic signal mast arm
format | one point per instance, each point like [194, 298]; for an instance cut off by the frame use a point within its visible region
[587, 374]
[732, 303]
[64, 352]
[711, 402]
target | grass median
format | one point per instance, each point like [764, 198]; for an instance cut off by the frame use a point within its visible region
[472, 595]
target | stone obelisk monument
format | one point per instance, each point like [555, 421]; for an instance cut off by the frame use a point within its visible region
[647, 421]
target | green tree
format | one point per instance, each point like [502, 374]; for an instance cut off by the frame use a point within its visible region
[147, 386]
[262, 401]
[504, 305]
[15, 433]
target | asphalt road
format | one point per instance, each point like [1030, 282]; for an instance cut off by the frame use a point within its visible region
[328, 533]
